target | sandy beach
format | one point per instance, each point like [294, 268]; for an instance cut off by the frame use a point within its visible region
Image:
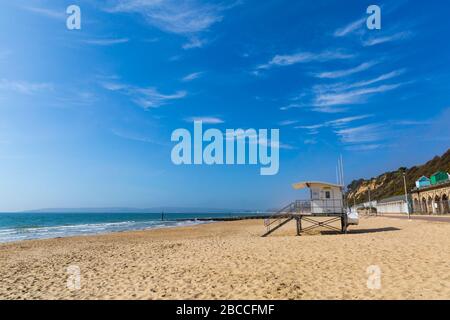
[229, 260]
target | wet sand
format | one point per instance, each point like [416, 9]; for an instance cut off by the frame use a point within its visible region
[229, 260]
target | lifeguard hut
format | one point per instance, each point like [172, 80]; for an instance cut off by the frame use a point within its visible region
[325, 200]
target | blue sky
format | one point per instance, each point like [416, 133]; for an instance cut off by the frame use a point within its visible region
[86, 115]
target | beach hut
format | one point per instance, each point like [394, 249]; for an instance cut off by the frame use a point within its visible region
[423, 182]
[439, 177]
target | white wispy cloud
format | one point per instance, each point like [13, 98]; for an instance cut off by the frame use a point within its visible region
[49, 13]
[413, 122]
[351, 97]
[254, 139]
[311, 127]
[135, 137]
[280, 145]
[350, 28]
[207, 120]
[363, 147]
[310, 141]
[342, 121]
[175, 58]
[174, 16]
[383, 77]
[24, 87]
[336, 97]
[106, 42]
[193, 43]
[145, 97]
[344, 86]
[326, 96]
[293, 106]
[394, 37]
[304, 57]
[192, 76]
[114, 86]
[287, 122]
[152, 98]
[337, 123]
[361, 134]
[275, 144]
[343, 73]
[355, 137]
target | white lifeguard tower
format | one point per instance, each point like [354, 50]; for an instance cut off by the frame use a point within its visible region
[324, 197]
[325, 200]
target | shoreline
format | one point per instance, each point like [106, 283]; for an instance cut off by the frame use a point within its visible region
[194, 223]
[229, 260]
[34, 228]
[202, 221]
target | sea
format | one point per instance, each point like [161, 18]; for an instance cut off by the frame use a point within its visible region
[27, 226]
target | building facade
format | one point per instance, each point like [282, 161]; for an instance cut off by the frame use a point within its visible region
[395, 204]
[433, 199]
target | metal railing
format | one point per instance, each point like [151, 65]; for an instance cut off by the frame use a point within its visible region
[312, 207]
[279, 215]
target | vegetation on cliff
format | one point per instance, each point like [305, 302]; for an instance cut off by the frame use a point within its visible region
[390, 184]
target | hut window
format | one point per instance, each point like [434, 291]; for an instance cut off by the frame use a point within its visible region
[327, 195]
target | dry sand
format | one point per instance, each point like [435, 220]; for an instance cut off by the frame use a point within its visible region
[230, 261]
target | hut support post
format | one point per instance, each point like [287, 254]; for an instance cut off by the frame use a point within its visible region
[344, 223]
[299, 225]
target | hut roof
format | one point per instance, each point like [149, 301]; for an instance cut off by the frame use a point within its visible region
[310, 184]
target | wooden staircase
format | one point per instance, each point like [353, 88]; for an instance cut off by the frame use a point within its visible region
[280, 218]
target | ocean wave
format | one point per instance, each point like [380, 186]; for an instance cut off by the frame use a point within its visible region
[47, 232]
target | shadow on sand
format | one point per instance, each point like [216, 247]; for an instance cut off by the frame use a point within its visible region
[362, 231]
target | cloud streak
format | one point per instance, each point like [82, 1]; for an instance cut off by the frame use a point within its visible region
[136, 137]
[145, 97]
[192, 76]
[394, 37]
[363, 147]
[337, 123]
[194, 43]
[343, 86]
[24, 87]
[174, 16]
[350, 28]
[303, 57]
[343, 73]
[49, 13]
[351, 97]
[361, 134]
[206, 120]
[287, 122]
[106, 42]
